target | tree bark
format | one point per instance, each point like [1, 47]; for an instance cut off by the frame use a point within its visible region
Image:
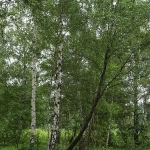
[33, 113]
[136, 135]
[55, 123]
[135, 97]
[48, 112]
[33, 99]
[22, 103]
[81, 145]
[136, 116]
[108, 132]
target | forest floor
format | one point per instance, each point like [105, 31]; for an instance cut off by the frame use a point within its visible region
[13, 148]
[98, 148]
[58, 148]
[41, 143]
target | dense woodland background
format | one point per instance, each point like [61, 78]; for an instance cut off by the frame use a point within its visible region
[74, 74]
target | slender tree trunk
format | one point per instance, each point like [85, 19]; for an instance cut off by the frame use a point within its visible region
[135, 99]
[55, 123]
[33, 99]
[23, 98]
[33, 113]
[81, 143]
[95, 102]
[85, 138]
[109, 100]
[48, 112]
[108, 133]
[136, 136]
[101, 89]
[136, 120]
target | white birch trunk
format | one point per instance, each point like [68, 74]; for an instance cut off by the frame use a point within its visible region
[48, 112]
[55, 123]
[33, 113]
[108, 136]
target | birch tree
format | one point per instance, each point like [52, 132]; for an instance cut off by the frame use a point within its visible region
[33, 100]
[87, 34]
[55, 122]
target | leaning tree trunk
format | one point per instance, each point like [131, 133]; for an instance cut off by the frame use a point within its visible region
[95, 102]
[55, 123]
[84, 139]
[99, 94]
[33, 113]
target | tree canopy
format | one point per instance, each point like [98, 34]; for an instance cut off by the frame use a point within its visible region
[75, 73]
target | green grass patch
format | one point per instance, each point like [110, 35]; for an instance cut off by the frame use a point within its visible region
[8, 148]
[41, 140]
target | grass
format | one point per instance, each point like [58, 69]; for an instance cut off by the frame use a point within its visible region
[8, 148]
[41, 142]
[42, 148]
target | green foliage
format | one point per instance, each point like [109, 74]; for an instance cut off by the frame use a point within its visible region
[90, 29]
